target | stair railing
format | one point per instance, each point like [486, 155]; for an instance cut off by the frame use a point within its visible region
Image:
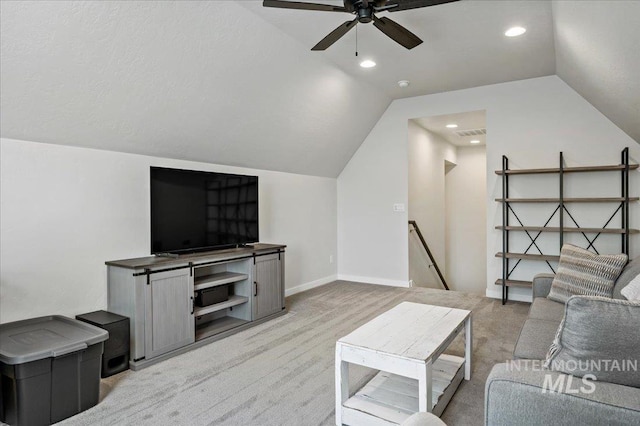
[426, 247]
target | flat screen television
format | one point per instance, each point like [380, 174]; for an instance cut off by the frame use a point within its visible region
[197, 211]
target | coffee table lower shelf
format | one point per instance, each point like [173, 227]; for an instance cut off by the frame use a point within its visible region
[389, 399]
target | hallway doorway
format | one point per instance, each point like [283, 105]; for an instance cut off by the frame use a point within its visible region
[447, 199]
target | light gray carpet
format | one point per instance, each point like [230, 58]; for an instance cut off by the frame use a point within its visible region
[282, 372]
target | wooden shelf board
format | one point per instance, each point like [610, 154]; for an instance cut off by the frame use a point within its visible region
[515, 283]
[568, 200]
[218, 326]
[529, 256]
[557, 229]
[394, 398]
[233, 301]
[568, 170]
[220, 278]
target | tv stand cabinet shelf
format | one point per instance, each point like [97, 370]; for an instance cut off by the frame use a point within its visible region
[233, 301]
[158, 295]
[214, 280]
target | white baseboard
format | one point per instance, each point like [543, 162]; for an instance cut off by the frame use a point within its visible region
[310, 285]
[523, 295]
[372, 280]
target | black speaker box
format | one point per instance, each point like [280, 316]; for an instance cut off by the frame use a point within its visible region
[212, 295]
[115, 358]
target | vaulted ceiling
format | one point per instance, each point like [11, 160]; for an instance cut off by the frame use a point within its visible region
[234, 83]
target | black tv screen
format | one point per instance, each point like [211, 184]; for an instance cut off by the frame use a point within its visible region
[196, 211]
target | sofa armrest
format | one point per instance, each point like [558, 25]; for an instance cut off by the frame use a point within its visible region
[523, 393]
[542, 284]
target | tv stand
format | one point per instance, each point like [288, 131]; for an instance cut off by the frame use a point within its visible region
[158, 294]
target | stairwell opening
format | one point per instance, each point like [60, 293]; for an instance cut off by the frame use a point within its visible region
[448, 201]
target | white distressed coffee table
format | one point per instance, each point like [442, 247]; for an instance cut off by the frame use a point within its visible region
[406, 344]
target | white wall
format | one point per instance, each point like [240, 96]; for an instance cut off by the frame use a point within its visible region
[466, 213]
[530, 121]
[372, 182]
[427, 155]
[65, 211]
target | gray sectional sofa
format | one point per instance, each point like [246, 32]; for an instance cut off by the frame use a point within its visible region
[517, 392]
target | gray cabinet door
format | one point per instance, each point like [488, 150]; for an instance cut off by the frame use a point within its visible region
[268, 277]
[169, 320]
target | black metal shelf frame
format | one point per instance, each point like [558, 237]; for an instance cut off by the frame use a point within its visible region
[561, 210]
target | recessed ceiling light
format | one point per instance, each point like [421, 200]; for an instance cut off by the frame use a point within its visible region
[403, 83]
[475, 141]
[367, 63]
[515, 31]
[451, 126]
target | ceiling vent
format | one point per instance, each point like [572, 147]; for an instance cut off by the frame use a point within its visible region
[471, 132]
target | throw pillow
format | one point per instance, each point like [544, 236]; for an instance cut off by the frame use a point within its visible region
[628, 273]
[632, 290]
[598, 336]
[581, 272]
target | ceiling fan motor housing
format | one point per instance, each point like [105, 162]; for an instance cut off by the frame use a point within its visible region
[365, 15]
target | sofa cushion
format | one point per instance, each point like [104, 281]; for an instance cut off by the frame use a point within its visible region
[628, 273]
[598, 336]
[535, 338]
[519, 393]
[582, 272]
[546, 309]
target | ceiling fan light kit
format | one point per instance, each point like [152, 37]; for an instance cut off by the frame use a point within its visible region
[364, 11]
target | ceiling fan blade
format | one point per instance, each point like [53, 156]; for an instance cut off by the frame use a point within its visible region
[397, 32]
[413, 4]
[335, 35]
[303, 6]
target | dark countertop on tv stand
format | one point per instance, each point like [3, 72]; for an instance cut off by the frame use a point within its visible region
[207, 256]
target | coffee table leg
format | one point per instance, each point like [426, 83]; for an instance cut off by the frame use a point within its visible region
[425, 392]
[342, 383]
[467, 348]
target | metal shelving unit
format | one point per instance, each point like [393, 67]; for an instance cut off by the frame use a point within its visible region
[533, 232]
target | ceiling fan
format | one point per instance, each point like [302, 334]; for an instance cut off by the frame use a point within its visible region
[364, 11]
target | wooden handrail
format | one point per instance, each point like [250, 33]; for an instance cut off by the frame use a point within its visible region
[426, 247]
